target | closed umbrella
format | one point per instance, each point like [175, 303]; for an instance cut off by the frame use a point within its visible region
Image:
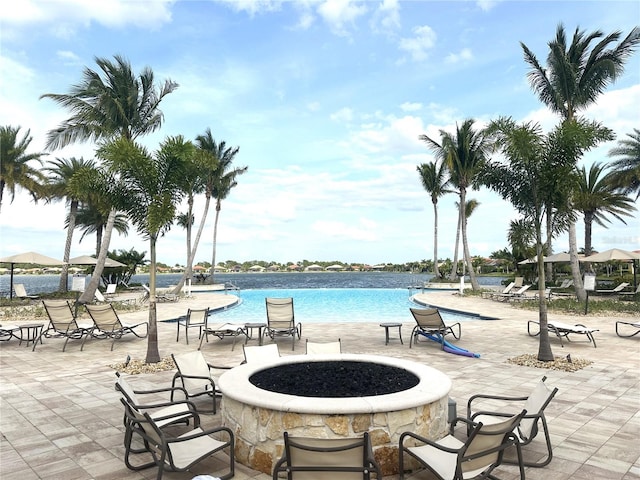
[32, 258]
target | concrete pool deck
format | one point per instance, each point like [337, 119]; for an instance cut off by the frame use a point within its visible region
[60, 416]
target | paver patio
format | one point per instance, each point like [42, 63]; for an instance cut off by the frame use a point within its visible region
[60, 417]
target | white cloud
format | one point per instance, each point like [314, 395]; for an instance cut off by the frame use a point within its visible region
[386, 18]
[363, 231]
[419, 45]
[464, 55]
[411, 106]
[341, 14]
[344, 115]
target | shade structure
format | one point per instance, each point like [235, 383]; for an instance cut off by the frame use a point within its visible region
[617, 254]
[32, 258]
[612, 255]
[87, 260]
[555, 258]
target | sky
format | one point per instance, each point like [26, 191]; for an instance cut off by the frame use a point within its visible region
[325, 99]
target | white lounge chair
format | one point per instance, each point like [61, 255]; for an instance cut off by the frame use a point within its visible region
[324, 348]
[21, 292]
[564, 330]
[618, 289]
[261, 353]
[632, 325]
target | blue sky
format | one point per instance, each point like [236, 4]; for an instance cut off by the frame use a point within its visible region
[326, 100]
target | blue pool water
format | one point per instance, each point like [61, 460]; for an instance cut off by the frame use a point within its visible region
[330, 305]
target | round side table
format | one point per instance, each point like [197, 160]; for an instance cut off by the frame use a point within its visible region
[387, 326]
[250, 327]
[30, 332]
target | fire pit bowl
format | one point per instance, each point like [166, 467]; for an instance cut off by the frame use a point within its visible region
[259, 417]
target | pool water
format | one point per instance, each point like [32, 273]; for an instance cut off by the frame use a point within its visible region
[330, 305]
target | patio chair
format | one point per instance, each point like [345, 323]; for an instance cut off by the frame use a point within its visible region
[281, 320]
[563, 330]
[633, 325]
[107, 324]
[100, 298]
[429, 322]
[160, 296]
[530, 425]
[507, 289]
[222, 330]
[316, 348]
[512, 295]
[21, 292]
[453, 459]
[8, 331]
[261, 353]
[196, 377]
[196, 318]
[63, 323]
[615, 290]
[623, 295]
[177, 453]
[327, 458]
[162, 413]
[110, 291]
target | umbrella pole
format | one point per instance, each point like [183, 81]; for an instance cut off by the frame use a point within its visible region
[11, 284]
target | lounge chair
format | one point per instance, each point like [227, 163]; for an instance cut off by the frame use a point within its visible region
[21, 292]
[281, 320]
[316, 348]
[518, 294]
[62, 323]
[633, 325]
[8, 331]
[453, 459]
[160, 296]
[429, 322]
[195, 318]
[327, 458]
[110, 291]
[222, 330]
[107, 324]
[530, 425]
[618, 289]
[507, 289]
[563, 330]
[100, 298]
[623, 295]
[177, 453]
[163, 414]
[196, 377]
[261, 353]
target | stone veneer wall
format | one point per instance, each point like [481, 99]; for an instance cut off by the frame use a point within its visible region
[259, 431]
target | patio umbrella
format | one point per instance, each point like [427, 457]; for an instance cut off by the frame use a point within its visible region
[87, 260]
[32, 258]
[616, 254]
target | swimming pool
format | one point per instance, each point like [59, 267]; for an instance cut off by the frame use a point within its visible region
[331, 305]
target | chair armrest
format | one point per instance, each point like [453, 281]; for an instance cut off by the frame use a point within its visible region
[151, 406]
[219, 367]
[493, 397]
[427, 441]
[203, 433]
[159, 390]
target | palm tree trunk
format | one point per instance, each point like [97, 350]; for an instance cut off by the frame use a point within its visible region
[588, 222]
[575, 266]
[548, 243]
[153, 354]
[215, 235]
[64, 276]
[465, 243]
[454, 270]
[544, 346]
[90, 291]
[188, 271]
[436, 270]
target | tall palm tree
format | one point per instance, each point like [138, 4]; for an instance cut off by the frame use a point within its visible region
[15, 170]
[149, 190]
[109, 103]
[625, 171]
[575, 76]
[60, 186]
[465, 154]
[596, 198]
[434, 180]
[220, 179]
[91, 218]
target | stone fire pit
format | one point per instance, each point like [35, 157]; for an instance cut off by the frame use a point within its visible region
[259, 417]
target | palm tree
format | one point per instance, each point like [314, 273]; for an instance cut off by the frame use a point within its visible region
[625, 172]
[15, 170]
[596, 198]
[434, 180]
[575, 76]
[149, 189]
[470, 207]
[60, 186]
[91, 218]
[522, 239]
[220, 179]
[464, 154]
[108, 104]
